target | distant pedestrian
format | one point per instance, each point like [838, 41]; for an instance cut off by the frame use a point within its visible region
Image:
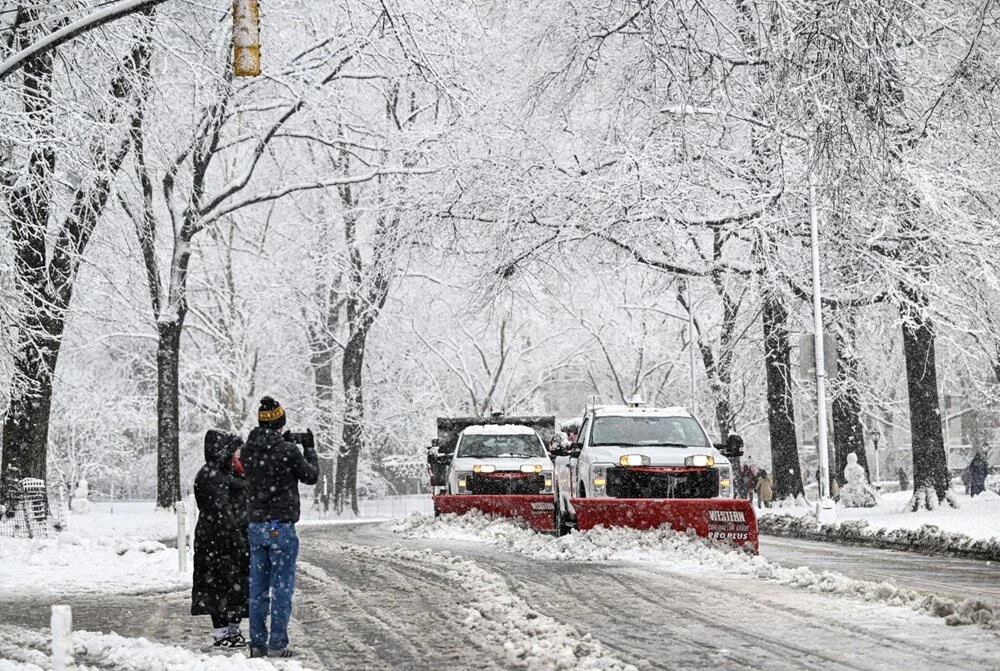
[274, 468]
[904, 479]
[765, 489]
[978, 469]
[220, 586]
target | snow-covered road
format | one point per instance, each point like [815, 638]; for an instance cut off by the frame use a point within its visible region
[485, 595]
[654, 617]
[945, 576]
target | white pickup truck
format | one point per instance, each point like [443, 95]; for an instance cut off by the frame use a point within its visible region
[643, 467]
[500, 459]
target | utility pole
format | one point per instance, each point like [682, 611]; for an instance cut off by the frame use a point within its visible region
[826, 512]
[694, 387]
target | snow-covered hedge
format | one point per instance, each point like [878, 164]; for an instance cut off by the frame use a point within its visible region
[928, 539]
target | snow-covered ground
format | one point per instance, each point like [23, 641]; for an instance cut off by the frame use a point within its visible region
[27, 650]
[977, 517]
[105, 551]
[120, 548]
[680, 552]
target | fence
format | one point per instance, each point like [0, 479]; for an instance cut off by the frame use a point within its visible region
[28, 510]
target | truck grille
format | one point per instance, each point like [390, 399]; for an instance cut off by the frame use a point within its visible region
[662, 483]
[504, 482]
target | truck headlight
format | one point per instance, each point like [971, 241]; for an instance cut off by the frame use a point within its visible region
[484, 468]
[599, 479]
[531, 468]
[725, 482]
[699, 460]
[634, 460]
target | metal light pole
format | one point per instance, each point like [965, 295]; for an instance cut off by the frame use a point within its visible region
[694, 387]
[826, 513]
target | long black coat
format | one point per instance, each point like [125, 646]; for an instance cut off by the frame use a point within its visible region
[221, 550]
[978, 470]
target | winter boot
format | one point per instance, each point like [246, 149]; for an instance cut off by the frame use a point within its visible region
[258, 652]
[232, 641]
[284, 652]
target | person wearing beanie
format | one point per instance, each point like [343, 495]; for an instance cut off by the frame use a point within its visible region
[274, 468]
[221, 554]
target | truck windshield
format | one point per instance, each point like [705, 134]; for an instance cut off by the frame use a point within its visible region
[652, 431]
[521, 445]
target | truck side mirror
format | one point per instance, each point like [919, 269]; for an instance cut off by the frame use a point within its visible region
[732, 448]
[575, 449]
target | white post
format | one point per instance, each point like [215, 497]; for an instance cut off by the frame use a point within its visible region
[691, 346]
[192, 511]
[878, 477]
[62, 639]
[181, 537]
[112, 497]
[826, 513]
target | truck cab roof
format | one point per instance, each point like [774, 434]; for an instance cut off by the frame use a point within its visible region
[627, 410]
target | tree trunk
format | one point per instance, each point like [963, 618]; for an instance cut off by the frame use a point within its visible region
[26, 424]
[848, 432]
[322, 364]
[780, 409]
[168, 466]
[354, 416]
[930, 468]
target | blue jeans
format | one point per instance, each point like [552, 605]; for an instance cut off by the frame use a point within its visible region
[274, 547]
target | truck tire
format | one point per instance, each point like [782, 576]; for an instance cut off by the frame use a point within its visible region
[560, 524]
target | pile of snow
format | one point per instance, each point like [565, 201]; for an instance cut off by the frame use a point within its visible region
[976, 516]
[927, 539]
[27, 650]
[971, 530]
[528, 638]
[680, 552]
[133, 519]
[71, 564]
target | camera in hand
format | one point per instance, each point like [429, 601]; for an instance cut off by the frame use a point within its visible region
[303, 439]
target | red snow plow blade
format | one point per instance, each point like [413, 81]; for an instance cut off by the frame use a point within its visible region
[722, 519]
[535, 509]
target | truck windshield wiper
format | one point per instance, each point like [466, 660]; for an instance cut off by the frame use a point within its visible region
[518, 454]
[622, 444]
[642, 445]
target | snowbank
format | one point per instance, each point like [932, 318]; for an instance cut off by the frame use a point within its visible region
[71, 564]
[971, 530]
[135, 519]
[527, 637]
[27, 650]
[680, 552]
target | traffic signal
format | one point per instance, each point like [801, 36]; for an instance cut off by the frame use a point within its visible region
[246, 38]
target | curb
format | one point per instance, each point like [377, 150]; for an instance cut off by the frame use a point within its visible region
[927, 540]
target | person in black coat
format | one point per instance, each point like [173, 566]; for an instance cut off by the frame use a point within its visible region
[275, 467]
[221, 549]
[978, 470]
